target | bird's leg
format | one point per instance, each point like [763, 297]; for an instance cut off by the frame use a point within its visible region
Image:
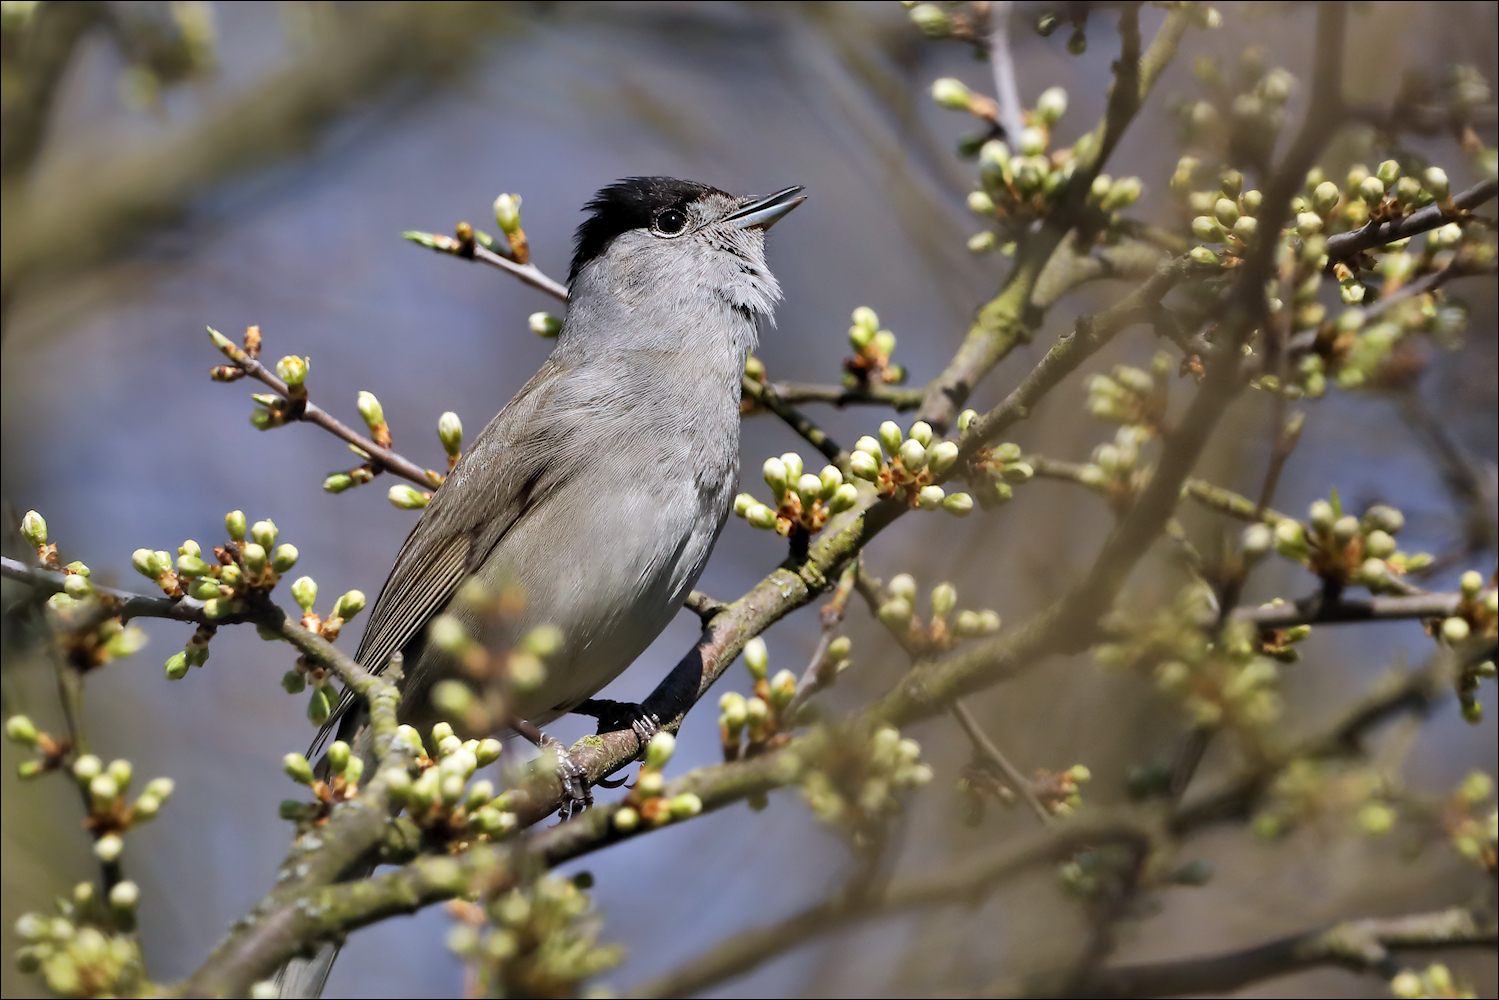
[576, 793]
[616, 715]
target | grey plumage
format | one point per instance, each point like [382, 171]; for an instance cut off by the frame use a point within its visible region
[601, 487]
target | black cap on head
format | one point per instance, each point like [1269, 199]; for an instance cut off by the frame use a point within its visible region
[628, 204]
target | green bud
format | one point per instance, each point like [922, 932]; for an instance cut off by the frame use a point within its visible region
[304, 592]
[544, 325]
[1379, 544]
[1407, 190]
[659, 750]
[742, 503]
[318, 706]
[902, 585]
[338, 482]
[1122, 193]
[1308, 223]
[407, 497]
[844, 498]
[293, 370]
[254, 557]
[782, 688]
[1321, 516]
[1290, 539]
[1385, 518]
[921, 432]
[913, 456]
[1051, 105]
[1388, 172]
[685, 806]
[942, 457]
[1344, 529]
[1435, 181]
[20, 729]
[297, 768]
[34, 529]
[103, 790]
[370, 409]
[1455, 629]
[338, 756]
[625, 819]
[350, 604]
[284, 558]
[204, 589]
[979, 203]
[891, 437]
[756, 658]
[1202, 255]
[1471, 584]
[1325, 198]
[760, 516]
[1257, 541]
[776, 476]
[1231, 183]
[944, 599]
[896, 613]
[930, 497]
[1371, 189]
[450, 433]
[487, 752]
[1446, 237]
[951, 94]
[1225, 211]
[507, 213]
[864, 466]
[293, 682]
[1207, 229]
[452, 697]
[809, 489]
[109, 847]
[958, 504]
[177, 667]
[650, 784]
[264, 533]
[141, 559]
[77, 586]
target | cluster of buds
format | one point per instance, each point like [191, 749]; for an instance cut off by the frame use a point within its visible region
[873, 347]
[51, 752]
[853, 783]
[241, 356]
[437, 793]
[748, 727]
[908, 465]
[85, 640]
[962, 23]
[537, 941]
[994, 470]
[89, 949]
[307, 671]
[110, 815]
[1061, 794]
[897, 611]
[1240, 118]
[1312, 789]
[466, 238]
[344, 772]
[1471, 628]
[803, 502]
[647, 802]
[1233, 681]
[478, 702]
[1132, 396]
[1341, 547]
[1435, 983]
[1472, 822]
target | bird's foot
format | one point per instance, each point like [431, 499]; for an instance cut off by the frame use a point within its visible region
[577, 795]
[616, 715]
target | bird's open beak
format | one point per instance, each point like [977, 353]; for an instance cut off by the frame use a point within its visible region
[762, 213]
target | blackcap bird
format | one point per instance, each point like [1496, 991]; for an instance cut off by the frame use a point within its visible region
[602, 485]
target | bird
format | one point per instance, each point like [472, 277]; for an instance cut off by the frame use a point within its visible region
[601, 487]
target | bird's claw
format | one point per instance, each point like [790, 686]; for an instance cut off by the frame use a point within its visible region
[577, 794]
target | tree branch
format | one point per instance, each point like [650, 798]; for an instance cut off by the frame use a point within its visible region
[1345, 245]
[841, 396]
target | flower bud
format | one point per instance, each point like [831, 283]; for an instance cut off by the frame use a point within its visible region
[913, 456]
[1385, 518]
[507, 213]
[77, 586]
[942, 457]
[844, 498]
[1344, 529]
[1325, 197]
[756, 711]
[864, 466]
[350, 604]
[297, 768]
[20, 729]
[450, 433]
[338, 482]
[650, 783]
[407, 497]
[1470, 585]
[625, 819]
[930, 497]
[891, 437]
[782, 688]
[921, 432]
[1379, 544]
[34, 529]
[958, 504]
[1032, 141]
[756, 658]
[944, 599]
[1290, 539]
[1257, 540]
[338, 756]
[761, 516]
[1202, 255]
[1388, 172]
[659, 750]
[103, 789]
[1122, 193]
[951, 94]
[304, 592]
[1207, 229]
[252, 553]
[1308, 223]
[1371, 189]
[1245, 228]
[1051, 105]
[293, 682]
[809, 489]
[1321, 516]
[774, 471]
[742, 503]
[1226, 212]
[109, 847]
[896, 613]
[204, 589]
[1455, 629]
[544, 324]
[177, 667]
[487, 752]
[685, 806]
[293, 370]
[902, 585]
[284, 558]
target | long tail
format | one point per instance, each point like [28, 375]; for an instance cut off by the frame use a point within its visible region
[304, 978]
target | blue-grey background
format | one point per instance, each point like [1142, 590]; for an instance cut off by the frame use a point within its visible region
[112, 429]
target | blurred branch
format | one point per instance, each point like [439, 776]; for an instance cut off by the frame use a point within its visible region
[841, 396]
[45, 48]
[1471, 485]
[1359, 945]
[1003, 64]
[991, 753]
[1314, 611]
[1345, 245]
[94, 200]
[966, 882]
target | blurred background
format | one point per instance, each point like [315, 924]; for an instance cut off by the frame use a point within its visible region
[233, 163]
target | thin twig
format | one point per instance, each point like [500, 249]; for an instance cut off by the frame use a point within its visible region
[991, 753]
[841, 396]
[819, 674]
[1345, 245]
[766, 396]
[1003, 65]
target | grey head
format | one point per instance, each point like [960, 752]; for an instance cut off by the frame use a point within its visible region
[662, 244]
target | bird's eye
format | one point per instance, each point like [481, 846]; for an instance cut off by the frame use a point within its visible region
[670, 222]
